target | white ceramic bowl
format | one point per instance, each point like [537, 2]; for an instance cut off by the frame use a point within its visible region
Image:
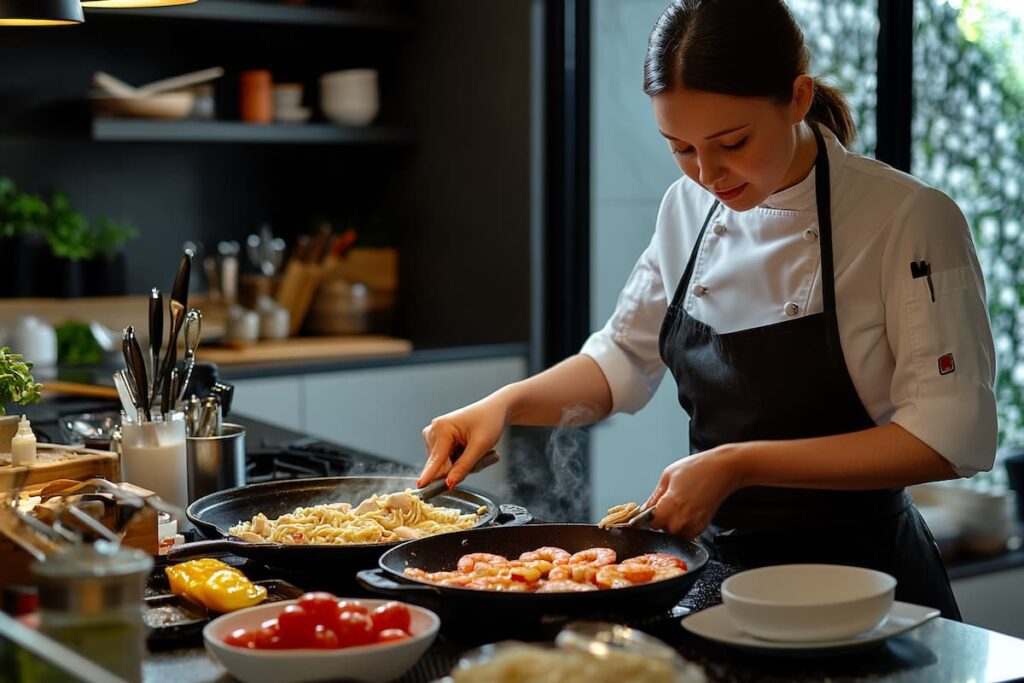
[372, 663]
[808, 602]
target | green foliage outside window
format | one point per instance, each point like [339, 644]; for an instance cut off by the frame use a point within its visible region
[968, 137]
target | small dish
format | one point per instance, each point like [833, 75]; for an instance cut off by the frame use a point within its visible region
[808, 602]
[375, 663]
[714, 624]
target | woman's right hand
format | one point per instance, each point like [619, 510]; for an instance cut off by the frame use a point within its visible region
[475, 428]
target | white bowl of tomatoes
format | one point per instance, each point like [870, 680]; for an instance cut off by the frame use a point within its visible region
[321, 637]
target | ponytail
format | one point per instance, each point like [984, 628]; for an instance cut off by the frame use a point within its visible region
[830, 109]
[747, 48]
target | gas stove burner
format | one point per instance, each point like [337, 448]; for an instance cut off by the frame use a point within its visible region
[307, 458]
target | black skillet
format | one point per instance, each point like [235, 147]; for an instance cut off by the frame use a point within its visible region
[214, 514]
[441, 553]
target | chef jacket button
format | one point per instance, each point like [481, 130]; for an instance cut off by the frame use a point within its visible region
[810, 234]
[791, 309]
[699, 290]
[718, 229]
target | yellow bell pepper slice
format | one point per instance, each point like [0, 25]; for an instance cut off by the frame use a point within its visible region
[214, 584]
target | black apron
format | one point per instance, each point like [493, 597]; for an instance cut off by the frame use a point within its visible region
[789, 380]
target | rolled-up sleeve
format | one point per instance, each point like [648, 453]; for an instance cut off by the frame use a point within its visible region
[943, 383]
[626, 348]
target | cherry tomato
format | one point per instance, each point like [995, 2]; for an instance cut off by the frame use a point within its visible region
[241, 637]
[391, 615]
[322, 606]
[353, 628]
[324, 639]
[268, 637]
[391, 634]
[296, 626]
[351, 606]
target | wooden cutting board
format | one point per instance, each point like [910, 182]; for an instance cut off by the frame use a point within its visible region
[306, 348]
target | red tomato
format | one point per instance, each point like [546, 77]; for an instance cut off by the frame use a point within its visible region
[241, 637]
[322, 606]
[324, 639]
[296, 626]
[391, 615]
[353, 628]
[268, 637]
[391, 634]
[351, 606]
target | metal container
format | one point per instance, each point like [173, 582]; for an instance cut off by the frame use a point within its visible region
[216, 463]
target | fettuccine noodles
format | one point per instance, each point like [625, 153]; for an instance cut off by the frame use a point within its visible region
[378, 519]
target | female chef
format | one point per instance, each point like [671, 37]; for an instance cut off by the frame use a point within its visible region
[823, 316]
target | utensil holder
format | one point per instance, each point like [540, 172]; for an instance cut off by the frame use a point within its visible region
[153, 457]
[216, 462]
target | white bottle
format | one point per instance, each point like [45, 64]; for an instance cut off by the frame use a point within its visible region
[23, 445]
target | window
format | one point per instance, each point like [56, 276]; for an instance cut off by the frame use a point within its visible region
[968, 140]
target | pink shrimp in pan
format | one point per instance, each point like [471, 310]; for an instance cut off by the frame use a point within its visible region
[599, 557]
[468, 562]
[566, 587]
[658, 560]
[623, 575]
[555, 556]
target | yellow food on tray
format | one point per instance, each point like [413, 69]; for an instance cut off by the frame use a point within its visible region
[214, 584]
[378, 519]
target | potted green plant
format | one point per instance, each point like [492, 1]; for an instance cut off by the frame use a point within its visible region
[17, 387]
[53, 250]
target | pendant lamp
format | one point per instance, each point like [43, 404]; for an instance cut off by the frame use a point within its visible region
[126, 4]
[40, 12]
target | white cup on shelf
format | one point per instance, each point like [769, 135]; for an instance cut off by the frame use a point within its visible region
[350, 97]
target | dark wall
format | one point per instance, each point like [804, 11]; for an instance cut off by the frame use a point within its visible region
[465, 90]
[456, 201]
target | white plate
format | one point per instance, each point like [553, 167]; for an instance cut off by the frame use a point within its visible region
[714, 624]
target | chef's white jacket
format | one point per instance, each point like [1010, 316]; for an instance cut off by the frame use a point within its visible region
[763, 266]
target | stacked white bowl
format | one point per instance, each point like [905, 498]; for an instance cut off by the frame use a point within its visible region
[350, 97]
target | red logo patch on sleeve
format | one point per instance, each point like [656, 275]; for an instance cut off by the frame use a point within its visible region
[946, 364]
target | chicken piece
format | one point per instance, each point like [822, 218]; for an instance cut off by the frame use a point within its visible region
[406, 533]
[400, 501]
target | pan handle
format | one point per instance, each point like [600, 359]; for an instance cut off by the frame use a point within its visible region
[196, 549]
[376, 581]
[512, 515]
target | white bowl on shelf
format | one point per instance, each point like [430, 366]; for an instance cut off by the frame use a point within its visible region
[375, 663]
[350, 97]
[808, 602]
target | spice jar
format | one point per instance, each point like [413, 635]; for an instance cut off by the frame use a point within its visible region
[91, 601]
[257, 96]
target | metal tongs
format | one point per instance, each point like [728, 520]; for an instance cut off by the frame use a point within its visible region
[439, 486]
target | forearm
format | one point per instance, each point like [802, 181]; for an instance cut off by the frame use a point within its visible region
[574, 392]
[876, 458]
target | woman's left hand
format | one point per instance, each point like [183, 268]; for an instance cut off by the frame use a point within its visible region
[691, 490]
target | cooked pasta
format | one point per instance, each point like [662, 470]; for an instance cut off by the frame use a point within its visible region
[378, 519]
[618, 514]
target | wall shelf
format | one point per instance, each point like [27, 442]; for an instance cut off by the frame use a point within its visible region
[268, 13]
[132, 130]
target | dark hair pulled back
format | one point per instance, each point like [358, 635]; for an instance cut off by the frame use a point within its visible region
[747, 48]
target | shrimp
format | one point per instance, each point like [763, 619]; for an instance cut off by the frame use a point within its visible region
[623, 575]
[565, 587]
[659, 560]
[595, 556]
[498, 583]
[468, 562]
[417, 573]
[551, 554]
[662, 573]
[578, 573]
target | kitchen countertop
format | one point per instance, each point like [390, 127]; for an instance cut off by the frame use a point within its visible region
[941, 650]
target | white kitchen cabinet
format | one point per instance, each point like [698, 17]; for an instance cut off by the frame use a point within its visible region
[276, 400]
[994, 601]
[383, 410]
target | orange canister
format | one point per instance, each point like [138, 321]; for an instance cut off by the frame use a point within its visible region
[257, 96]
